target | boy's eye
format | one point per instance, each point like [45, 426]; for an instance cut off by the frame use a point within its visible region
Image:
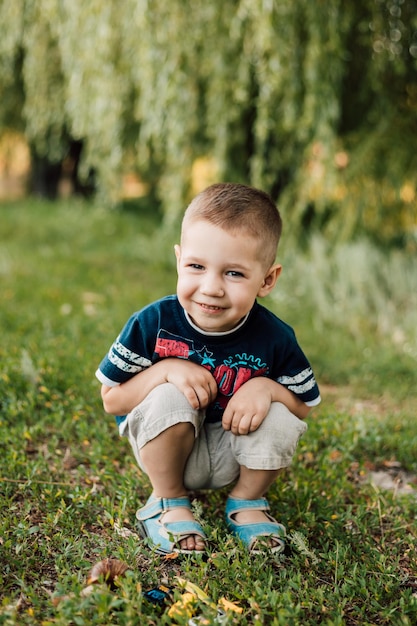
[235, 274]
[196, 266]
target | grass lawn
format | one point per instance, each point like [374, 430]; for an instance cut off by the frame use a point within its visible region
[70, 276]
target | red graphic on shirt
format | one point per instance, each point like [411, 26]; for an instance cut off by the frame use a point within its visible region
[172, 347]
[229, 377]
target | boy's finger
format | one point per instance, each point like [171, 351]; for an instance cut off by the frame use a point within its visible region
[226, 420]
[192, 397]
[243, 427]
[204, 395]
[212, 390]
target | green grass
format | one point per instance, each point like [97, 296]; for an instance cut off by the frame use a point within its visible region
[70, 275]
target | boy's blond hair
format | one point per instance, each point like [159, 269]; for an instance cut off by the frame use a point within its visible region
[236, 207]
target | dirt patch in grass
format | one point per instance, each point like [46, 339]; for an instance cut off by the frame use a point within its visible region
[346, 400]
[388, 475]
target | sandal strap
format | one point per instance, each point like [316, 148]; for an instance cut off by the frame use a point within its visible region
[156, 506]
[251, 534]
[180, 530]
[236, 505]
[166, 535]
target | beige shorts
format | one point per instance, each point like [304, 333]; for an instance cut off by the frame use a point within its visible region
[217, 454]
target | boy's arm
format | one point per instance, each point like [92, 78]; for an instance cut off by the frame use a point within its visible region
[249, 406]
[291, 401]
[193, 380]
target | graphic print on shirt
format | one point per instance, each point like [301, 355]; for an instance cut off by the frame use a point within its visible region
[229, 375]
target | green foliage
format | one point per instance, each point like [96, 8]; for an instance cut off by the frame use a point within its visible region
[71, 274]
[313, 101]
[355, 289]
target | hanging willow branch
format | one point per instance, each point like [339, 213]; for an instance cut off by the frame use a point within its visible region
[271, 91]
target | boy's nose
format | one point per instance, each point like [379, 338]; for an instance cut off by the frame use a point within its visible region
[211, 286]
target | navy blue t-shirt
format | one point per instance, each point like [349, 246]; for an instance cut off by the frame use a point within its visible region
[261, 345]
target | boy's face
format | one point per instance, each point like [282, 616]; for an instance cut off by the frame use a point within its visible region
[219, 275]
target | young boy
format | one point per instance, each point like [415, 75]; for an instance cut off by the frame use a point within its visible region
[211, 385]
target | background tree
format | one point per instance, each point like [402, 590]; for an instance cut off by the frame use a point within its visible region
[313, 101]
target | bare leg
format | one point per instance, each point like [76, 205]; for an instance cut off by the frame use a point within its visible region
[251, 485]
[164, 459]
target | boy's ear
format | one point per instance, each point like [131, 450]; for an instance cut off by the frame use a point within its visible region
[270, 280]
[177, 251]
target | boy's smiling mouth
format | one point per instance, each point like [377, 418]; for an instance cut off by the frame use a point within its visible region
[210, 307]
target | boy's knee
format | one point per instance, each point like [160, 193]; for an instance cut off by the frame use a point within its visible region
[273, 444]
[282, 421]
[164, 407]
[165, 397]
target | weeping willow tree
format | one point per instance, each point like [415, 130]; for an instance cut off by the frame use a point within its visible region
[313, 101]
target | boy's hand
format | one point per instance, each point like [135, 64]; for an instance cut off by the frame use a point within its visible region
[249, 406]
[193, 380]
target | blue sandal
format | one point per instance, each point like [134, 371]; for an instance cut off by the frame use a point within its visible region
[256, 533]
[166, 537]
